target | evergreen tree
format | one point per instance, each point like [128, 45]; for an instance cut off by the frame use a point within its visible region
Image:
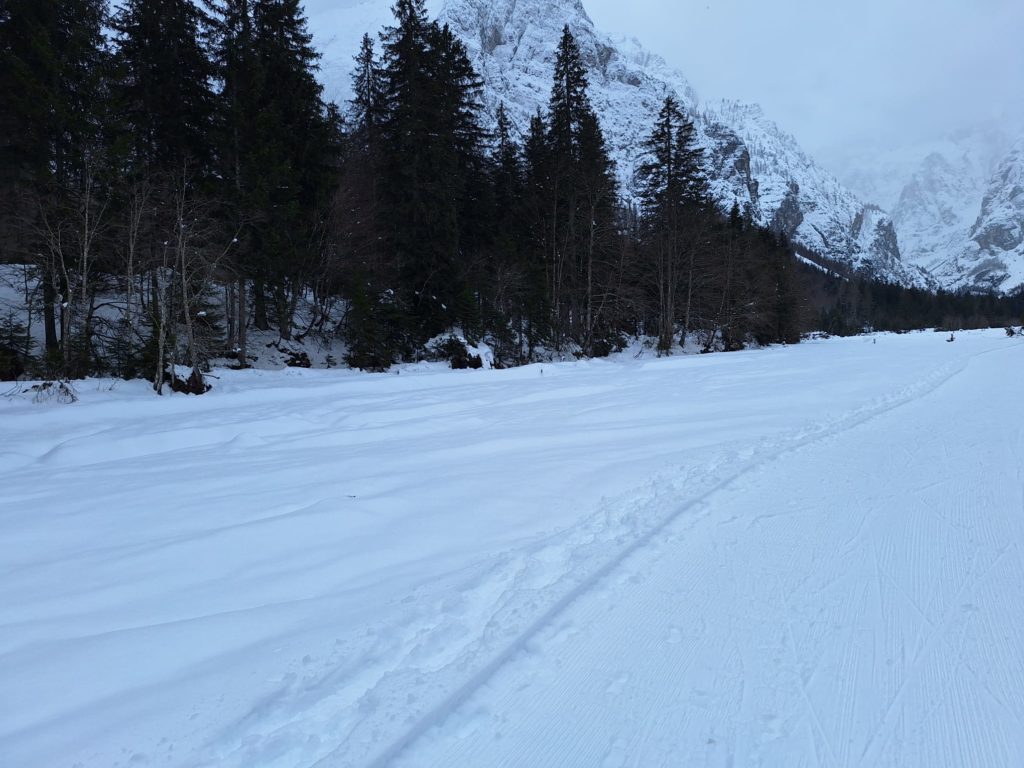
[419, 223]
[53, 61]
[583, 203]
[289, 164]
[671, 178]
[569, 108]
[234, 57]
[506, 163]
[278, 146]
[162, 89]
[432, 154]
[374, 322]
[368, 99]
[538, 241]
[463, 139]
[673, 197]
[508, 278]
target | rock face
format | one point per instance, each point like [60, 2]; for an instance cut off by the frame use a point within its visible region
[937, 208]
[993, 258]
[749, 160]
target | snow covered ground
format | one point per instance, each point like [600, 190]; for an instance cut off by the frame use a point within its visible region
[797, 556]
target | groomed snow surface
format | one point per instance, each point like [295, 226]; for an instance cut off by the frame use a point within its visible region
[805, 556]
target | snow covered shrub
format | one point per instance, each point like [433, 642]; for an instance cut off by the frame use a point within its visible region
[54, 392]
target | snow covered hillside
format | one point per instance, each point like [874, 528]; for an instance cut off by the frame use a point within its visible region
[798, 556]
[750, 160]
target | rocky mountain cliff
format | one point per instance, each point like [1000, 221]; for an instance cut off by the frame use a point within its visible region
[810, 205]
[749, 159]
[993, 257]
[957, 211]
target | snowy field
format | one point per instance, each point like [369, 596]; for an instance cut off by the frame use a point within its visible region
[806, 556]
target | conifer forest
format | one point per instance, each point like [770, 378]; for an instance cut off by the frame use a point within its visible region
[172, 178]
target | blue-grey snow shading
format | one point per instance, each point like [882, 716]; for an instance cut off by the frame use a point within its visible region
[794, 556]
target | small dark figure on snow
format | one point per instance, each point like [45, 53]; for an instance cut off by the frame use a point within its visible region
[951, 338]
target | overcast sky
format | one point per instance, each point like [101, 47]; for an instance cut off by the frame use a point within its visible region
[837, 73]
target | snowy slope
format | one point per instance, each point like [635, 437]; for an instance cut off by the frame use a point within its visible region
[800, 623]
[750, 161]
[786, 557]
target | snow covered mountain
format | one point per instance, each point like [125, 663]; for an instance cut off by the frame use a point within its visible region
[513, 43]
[994, 256]
[959, 215]
[808, 204]
[937, 207]
[749, 159]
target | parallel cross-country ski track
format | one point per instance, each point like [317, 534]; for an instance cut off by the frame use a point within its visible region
[540, 700]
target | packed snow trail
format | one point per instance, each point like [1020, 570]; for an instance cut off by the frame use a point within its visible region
[804, 555]
[858, 601]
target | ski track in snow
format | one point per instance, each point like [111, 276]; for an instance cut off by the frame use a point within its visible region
[718, 582]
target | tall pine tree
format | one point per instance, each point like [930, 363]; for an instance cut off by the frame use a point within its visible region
[53, 67]
[673, 195]
[289, 166]
[368, 96]
[162, 89]
[432, 155]
[582, 200]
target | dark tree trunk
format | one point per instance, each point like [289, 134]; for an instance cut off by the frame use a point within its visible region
[259, 306]
[243, 312]
[49, 314]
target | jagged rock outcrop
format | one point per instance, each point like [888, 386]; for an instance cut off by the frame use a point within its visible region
[789, 216]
